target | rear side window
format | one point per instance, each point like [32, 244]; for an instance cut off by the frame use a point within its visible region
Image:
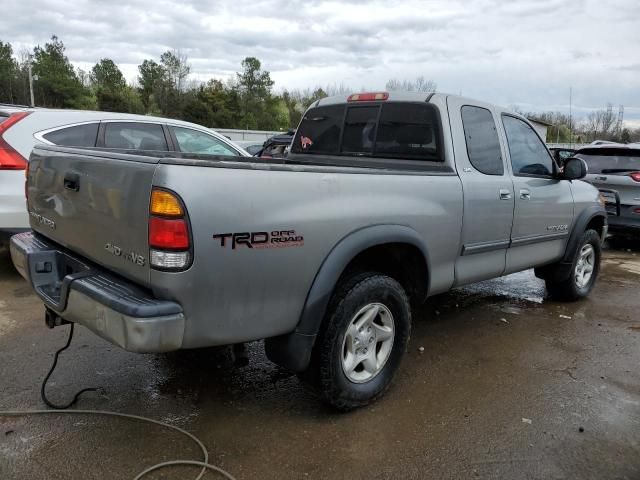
[135, 136]
[609, 161]
[529, 156]
[193, 141]
[387, 130]
[76, 136]
[481, 135]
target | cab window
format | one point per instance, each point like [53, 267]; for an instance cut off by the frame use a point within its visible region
[481, 136]
[529, 156]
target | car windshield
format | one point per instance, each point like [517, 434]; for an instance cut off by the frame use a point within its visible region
[611, 160]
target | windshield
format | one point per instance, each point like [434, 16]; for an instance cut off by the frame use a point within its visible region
[611, 160]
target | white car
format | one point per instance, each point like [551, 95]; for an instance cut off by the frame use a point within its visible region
[22, 127]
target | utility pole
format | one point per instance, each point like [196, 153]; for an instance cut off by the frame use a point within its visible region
[570, 122]
[31, 84]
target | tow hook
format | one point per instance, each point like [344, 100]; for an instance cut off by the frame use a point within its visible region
[52, 319]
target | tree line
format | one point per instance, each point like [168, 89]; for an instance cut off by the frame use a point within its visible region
[601, 124]
[246, 101]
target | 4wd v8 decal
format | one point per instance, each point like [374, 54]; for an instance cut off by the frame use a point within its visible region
[260, 240]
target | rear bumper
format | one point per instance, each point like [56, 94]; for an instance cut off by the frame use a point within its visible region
[7, 233]
[110, 306]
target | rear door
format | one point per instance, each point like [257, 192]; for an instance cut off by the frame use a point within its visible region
[543, 203]
[488, 191]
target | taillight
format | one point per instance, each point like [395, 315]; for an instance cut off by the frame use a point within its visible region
[635, 176]
[169, 233]
[368, 97]
[10, 159]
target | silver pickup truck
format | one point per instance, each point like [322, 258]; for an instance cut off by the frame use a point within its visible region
[385, 199]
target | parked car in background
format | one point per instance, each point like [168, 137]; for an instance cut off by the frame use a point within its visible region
[251, 146]
[562, 154]
[276, 146]
[614, 168]
[23, 127]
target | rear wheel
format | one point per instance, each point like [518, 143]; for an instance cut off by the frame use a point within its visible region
[362, 341]
[584, 270]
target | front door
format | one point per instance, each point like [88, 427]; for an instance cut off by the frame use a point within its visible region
[488, 191]
[543, 203]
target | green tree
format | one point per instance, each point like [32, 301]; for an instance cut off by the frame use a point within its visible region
[106, 74]
[8, 73]
[151, 76]
[254, 87]
[625, 135]
[176, 68]
[58, 84]
[110, 87]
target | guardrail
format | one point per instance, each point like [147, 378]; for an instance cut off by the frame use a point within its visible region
[247, 135]
[575, 146]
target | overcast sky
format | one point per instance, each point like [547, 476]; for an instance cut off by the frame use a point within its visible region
[525, 53]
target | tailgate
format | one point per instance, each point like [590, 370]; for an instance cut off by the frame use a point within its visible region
[94, 203]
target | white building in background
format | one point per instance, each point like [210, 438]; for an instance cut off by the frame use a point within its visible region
[541, 128]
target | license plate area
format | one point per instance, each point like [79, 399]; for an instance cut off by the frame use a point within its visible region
[51, 274]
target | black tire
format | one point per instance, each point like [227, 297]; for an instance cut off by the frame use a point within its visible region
[568, 289]
[350, 297]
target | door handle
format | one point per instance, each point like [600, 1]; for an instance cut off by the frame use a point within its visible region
[72, 181]
[505, 194]
[525, 194]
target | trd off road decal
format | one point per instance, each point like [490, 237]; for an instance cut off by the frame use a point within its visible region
[260, 240]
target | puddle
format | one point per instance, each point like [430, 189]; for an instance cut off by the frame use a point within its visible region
[523, 286]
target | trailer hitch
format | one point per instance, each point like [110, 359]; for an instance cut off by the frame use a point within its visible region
[52, 319]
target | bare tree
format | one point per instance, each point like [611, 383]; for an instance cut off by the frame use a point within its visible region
[419, 85]
[601, 124]
[177, 67]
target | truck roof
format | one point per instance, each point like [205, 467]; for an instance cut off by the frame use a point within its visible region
[400, 96]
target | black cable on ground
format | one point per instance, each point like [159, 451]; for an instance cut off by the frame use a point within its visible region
[205, 465]
[43, 393]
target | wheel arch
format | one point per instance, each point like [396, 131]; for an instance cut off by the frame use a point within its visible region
[293, 350]
[594, 217]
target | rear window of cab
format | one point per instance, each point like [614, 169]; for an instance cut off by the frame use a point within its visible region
[401, 130]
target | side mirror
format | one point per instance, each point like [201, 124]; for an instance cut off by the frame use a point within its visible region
[574, 169]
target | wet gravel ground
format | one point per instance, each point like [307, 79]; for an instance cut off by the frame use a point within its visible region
[509, 385]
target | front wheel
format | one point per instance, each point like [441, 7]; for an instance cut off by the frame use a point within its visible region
[363, 340]
[584, 270]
